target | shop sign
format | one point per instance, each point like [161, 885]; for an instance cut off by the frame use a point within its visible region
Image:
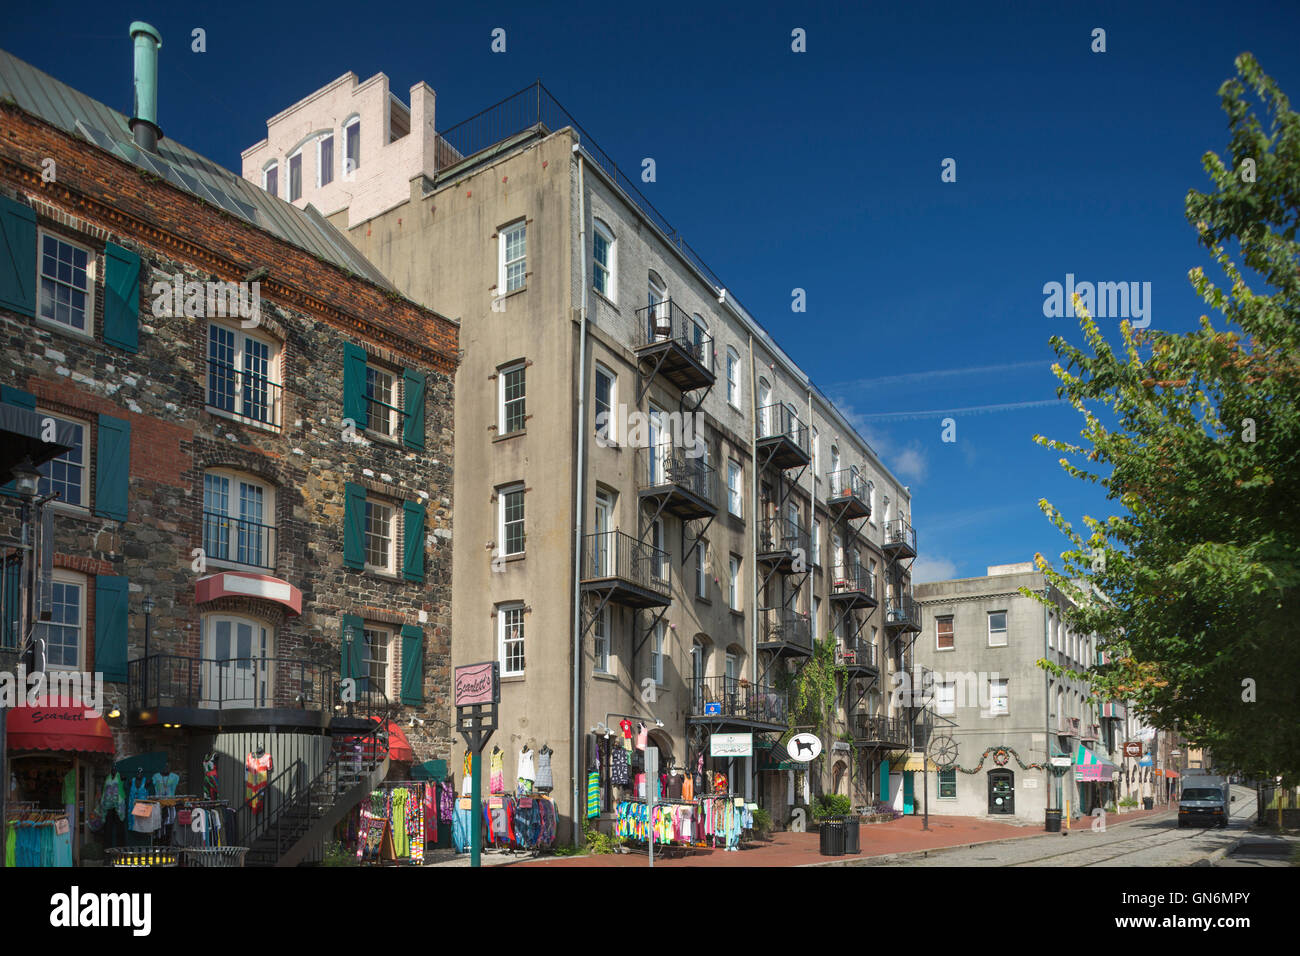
[1029, 783]
[804, 747]
[1132, 748]
[731, 745]
[1061, 761]
[478, 684]
[713, 708]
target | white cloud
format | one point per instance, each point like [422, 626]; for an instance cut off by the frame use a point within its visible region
[927, 569]
[908, 462]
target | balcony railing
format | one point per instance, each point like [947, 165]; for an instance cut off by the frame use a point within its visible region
[664, 468]
[243, 395]
[238, 540]
[856, 654]
[731, 697]
[666, 321]
[784, 536]
[888, 731]
[1068, 727]
[852, 579]
[780, 422]
[783, 626]
[849, 486]
[903, 612]
[237, 683]
[901, 536]
[615, 555]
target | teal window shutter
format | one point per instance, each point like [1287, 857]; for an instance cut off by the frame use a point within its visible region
[351, 646]
[412, 664]
[110, 626]
[112, 467]
[121, 297]
[413, 538]
[354, 526]
[354, 384]
[17, 257]
[413, 426]
[884, 781]
[14, 396]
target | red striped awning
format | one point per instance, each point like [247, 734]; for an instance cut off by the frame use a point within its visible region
[62, 726]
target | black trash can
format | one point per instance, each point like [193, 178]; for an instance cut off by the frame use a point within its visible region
[1053, 821]
[832, 836]
[1148, 803]
[852, 835]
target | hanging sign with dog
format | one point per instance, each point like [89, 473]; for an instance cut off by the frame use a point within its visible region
[804, 747]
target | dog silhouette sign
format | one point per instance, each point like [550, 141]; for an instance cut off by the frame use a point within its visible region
[804, 747]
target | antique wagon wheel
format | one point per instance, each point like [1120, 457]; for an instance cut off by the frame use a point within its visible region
[943, 751]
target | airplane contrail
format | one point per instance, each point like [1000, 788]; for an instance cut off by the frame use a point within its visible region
[968, 410]
[890, 380]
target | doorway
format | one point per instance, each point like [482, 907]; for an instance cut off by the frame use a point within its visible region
[909, 798]
[1002, 792]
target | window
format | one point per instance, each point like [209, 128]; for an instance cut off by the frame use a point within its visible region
[243, 374]
[67, 474]
[232, 672]
[512, 399]
[271, 179]
[352, 145]
[732, 672]
[513, 257]
[382, 411]
[64, 632]
[325, 160]
[998, 696]
[658, 321]
[997, 628]
[511, 516]
[238, 520]
[606, 382]
[510, 640]
[817, 542]
[602, 258]
[379, 536]
[733, 377]
[1051, 631]
[701, 570]
[375, 644]
[67, 277]
[601, 645]
[817, 616]
[947, 784]
[295, 176]
[734, 503]
[734, 585]
[659, 557]
[871, 500]
[657, 653]
[943, 635]
[700, 340]
[945, 700]
[766, 416]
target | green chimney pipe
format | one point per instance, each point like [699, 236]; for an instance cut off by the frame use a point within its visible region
[144, 118]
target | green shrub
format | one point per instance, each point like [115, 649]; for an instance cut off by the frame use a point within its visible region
[762, 822]
[831, 805]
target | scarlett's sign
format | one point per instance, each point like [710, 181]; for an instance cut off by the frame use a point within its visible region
[478, 684]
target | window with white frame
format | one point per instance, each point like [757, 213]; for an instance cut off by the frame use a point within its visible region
[510, 639]
[69, 474]
[702, 569]
[243, 375]
[948, 784]
[511, 392]
[67, 277]
[295, 176]
[271, 179]
[657, 652]
[659, 323]
[943, 633]
[816, 455]
[603, 260]
[997, 628]
[352, 145]
[999, 697]
[606, 398]
[600, 647]
[381, 536]
[510, 520]
[817, 616]
[383, 401]
[376, 646]
[871, 500]
[733, 592]
[325, 160]
[700, 340]
[732, 669]
[735, 501]
[659, 556]
[513, 241]
[1051, 630]
[817, 542]
[733, 377]
[945, 699]
[238, 519]
[233, 672]
[65, 631]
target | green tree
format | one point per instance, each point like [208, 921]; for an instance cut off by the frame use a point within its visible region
[1193, 585]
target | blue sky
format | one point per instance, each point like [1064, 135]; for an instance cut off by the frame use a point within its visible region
[817, 170]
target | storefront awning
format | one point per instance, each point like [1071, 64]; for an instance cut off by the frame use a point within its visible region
[241, 584]
[1089, 766]
[63, 727]
[915, 763]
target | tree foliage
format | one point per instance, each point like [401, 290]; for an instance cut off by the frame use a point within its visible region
[1192, 586]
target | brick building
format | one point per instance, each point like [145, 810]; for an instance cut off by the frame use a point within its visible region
[275, 485]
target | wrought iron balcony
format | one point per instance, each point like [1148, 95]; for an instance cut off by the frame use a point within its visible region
[675, 346]
[854, 585]
[244, 395]
[859, 657]
[848, 494]
[206, 691]
[238, 541]
[783, 438]
[723, 700]
[903, 613]
[900, 539]
[785, 543]
[785, 632]
[1069, 727]
[689, 485]
[890, 733]
[636, 574]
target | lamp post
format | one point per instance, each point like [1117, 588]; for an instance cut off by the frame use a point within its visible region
[146, 606]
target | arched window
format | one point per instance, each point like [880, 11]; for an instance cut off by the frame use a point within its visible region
[700, 340]
[351, 145]
[658, 321]
[733, 377]
[271, 178]
[238, 519]
[766, 418]
[603, 260]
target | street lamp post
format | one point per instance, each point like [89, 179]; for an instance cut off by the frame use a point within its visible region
[147, 606]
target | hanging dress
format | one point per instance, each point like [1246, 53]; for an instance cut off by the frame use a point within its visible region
[545, 779]
[210, 777]
[497, 780]
[257, 770]
[527, 775]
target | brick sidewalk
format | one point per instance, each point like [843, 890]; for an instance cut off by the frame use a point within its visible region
[877, 839]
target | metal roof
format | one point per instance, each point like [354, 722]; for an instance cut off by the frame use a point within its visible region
[74, 112]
